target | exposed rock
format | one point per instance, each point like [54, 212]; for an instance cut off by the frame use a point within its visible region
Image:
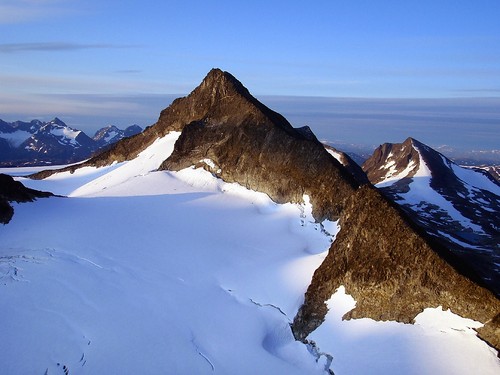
[491, 333]
[392, 159]
[391, 270]
[6, 211]
[248, 143]
[15, 191]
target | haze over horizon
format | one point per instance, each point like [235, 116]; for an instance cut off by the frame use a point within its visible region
[94, 63]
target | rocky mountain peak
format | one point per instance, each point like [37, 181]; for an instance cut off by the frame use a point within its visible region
[246, 141]
[391, 159]
[220, 84]
[57, 121]
[220, 98]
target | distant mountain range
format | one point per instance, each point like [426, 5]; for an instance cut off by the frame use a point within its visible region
[53, 142]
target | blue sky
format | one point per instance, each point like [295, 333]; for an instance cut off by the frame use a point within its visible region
[82, 57]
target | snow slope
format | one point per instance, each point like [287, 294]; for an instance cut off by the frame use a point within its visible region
[150, 272]
[439, 342]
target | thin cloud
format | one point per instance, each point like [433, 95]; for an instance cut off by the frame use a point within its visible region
[484, 91]
[54, 47]
[20, 11]
[79, 84]
[128, 71]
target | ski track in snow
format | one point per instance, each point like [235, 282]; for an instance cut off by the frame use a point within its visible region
[178, 272]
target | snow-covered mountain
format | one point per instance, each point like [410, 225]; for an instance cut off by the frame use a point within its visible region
[459, 206]
[111, 134]
[223, 240]
[53, 142]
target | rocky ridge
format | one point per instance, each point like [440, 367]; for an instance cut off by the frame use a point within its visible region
[391, 267]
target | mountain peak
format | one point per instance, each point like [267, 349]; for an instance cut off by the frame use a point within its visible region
[220, 97]
[221, 83]
[57, 121]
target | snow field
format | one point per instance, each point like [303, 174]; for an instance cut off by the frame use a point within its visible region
[439, 342]
[179, 273]
[175, 285]
[155, 272]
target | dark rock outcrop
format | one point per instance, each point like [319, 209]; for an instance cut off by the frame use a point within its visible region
[15, 191]
[391, 270]
[257, 147]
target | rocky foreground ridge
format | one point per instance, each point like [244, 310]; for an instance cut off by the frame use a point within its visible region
[389, 265]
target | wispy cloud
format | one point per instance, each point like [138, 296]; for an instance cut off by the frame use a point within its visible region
[55, 46]
[480, 91]
[128, 71]
[77, 84]
[20, 11]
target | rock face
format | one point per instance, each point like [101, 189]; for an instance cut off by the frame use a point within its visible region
[14, 191]
[393, 269]
[248, 143]
[458, 206]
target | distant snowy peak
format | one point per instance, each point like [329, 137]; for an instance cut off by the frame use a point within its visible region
[108, 134]
[53, 142]
[459, 206]
[391, 162]
[63, 133]
[111, 134]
